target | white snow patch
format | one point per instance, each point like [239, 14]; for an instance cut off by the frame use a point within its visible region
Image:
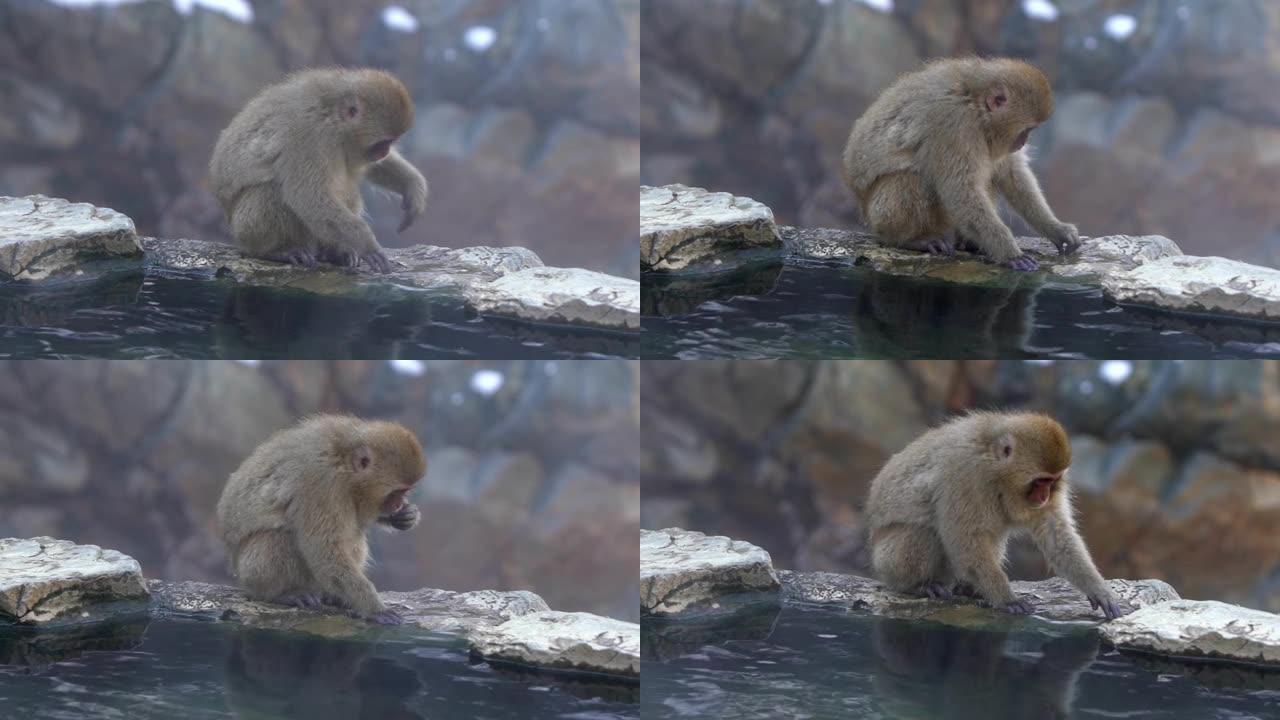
[90, 3]
[1120, 27]
[237, 10]
[1090, 43]
[884, 6]
[414, 368]
[399, 19]
[1040, 10]
[1115, 371]
[487, 382]
[479, 37]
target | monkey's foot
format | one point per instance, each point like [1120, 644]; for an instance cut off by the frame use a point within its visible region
[1023, 263]
[1018, 607]
[306, 601]
[936, 591]
[377, 261]
[305, 258]
[964, 589]
[933, 244]
[386, 617]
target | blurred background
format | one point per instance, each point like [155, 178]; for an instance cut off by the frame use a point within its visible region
[1167, 118]
[1175, 463]
[526, 110]
[532, 479]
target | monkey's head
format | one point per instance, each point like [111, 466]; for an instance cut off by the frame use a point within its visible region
[1015, 99]
[373, 109]
[385, 461]
[1031, 454]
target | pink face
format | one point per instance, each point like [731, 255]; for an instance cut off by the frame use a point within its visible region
[1041, 489]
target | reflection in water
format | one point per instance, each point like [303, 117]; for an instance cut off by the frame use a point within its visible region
[824, 663]
[976, 668]
[187, 669]
[133, 315]
[812, 310]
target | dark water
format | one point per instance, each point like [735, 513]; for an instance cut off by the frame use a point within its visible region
[170, 669]
[812, 310]
[137, 315]
[815, 663]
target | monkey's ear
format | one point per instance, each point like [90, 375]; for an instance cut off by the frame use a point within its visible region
[350, 108]
[1003, 447]
[361, 458]
[996, 98]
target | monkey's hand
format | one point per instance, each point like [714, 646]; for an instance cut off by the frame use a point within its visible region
[386, 616]
[1022, 263]
[1018, 607]
[403, 519]
[1066, 237]
[414, 202]
[1108, 602]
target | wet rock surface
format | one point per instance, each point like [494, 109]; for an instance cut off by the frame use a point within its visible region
[43, 579]
[570, 296]
[513, 626]
[1053, 599]
[1097, 257]
[563, 640]
[1200, 629]
[42, 237]
[683, 569]
[1212, 285]
[685, 227]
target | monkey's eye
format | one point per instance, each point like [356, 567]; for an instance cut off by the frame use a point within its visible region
[364, 462]
[352, 111]
[1006, 450]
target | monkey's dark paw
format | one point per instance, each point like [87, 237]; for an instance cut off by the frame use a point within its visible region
[387, 617]
[937, 591]
[405, 518]
[1023, 263]
[1018, 607]
[964, 589]
[376, 261]
[305, 258]
[1109, 605]
[306, 601]
[1067, 238]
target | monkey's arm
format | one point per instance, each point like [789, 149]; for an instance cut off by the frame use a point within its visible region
[329, 549]
[304, 190]
[396, 174]
[1015, 181]
[974, 544]
[974, 215]
[1055, 534]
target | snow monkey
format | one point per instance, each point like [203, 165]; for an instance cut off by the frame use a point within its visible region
[941, 510]
[294, 515]
[928, 156]
[287, 170]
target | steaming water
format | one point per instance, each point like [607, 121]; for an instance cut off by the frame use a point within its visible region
[168, 669]
[810, 310]
[136, 315]
[816, 663]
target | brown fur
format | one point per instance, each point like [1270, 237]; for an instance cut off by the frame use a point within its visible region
[930, 154]
[287, 170]
[941, 510]
[294, 515]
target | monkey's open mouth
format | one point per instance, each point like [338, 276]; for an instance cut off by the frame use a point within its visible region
[1040, 490]
[379, 150]
[1021, 140]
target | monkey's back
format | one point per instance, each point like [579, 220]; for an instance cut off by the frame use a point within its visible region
[896, 128]
[259, 493]
[908, 487]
